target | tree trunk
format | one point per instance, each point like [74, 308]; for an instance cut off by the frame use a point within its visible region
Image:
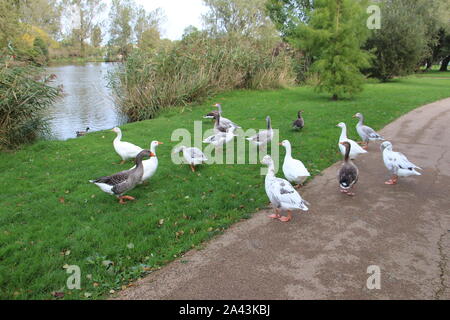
[429, 64]
[335, 97]
[444, 64]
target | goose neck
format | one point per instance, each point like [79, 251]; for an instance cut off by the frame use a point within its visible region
[270, 170]
[361, 121]
[347, 154]
[344, 133]
[119, 136]
[288, 152]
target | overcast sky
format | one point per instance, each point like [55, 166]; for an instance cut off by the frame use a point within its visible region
[179, 15]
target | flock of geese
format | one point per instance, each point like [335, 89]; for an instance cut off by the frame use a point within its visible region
[281, 192]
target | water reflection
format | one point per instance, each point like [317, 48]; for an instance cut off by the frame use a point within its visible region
[87, 101]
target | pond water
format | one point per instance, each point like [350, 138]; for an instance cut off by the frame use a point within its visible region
[87, 101]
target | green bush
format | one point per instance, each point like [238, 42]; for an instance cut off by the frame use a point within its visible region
[195, 68]
[24, 95]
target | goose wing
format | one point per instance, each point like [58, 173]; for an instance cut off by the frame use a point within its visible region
[355, 148]
[211, 115]
[261, 137]
[348, 176]
[370, 133]
[195, 153]
[403, 162]
[296, 168]
[211, 139]
[299, 123]
[128, 148]
[114, 179]
[284, 194]
[227, 123]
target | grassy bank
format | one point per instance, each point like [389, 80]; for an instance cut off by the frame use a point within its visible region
[51, 216]
[76, 60]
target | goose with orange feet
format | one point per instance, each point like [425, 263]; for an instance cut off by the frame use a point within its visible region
[120, 183]
[397, 164]
[281, 193]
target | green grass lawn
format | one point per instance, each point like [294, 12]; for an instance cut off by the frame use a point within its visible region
[51, 216]
[433, 73]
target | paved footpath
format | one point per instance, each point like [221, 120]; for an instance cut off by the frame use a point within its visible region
[324, 254]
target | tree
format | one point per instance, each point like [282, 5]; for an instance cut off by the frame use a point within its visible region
[121, 29]
[45, 14]
[150, 22]
[149, 39]
[334, 35]
[238, 17]
[287, 14]
[9, 22]
[147, 28]
[438, 21]
[84, 14]
[96, 37]
[402, 42]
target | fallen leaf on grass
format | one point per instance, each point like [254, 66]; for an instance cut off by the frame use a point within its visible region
[179, 233]
[57, 294]
[65, 252]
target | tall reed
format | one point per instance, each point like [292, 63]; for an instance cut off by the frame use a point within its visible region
[24, 96]
[194, 69]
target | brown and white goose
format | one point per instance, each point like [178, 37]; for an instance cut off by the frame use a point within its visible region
[299, 123]
[119, 183]
[349, 173]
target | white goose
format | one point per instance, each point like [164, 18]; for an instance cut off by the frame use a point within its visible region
[294, 170]
[124, 149]
[263, 137]
[356, 149]
[193, 156]
[397, 164]
[221, 138]
[281, 193]
[150, 165]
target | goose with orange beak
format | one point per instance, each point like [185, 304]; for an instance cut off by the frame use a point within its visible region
[281, 194]
[150, 165]
[120, 183]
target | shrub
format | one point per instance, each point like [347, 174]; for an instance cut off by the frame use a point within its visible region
[195, 68]
[24, 95]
